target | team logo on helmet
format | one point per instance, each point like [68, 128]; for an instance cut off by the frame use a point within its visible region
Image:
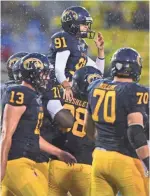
[29, 63]
[69, 15]
[12, 62]
[93, 77]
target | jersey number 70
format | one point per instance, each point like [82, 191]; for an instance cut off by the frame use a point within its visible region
[108, 99]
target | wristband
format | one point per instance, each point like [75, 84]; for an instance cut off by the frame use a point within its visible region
[101, 58]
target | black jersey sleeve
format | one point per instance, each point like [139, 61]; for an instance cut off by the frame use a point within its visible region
[61, 41]
[18, 96]
[138, 98]
[52, 92]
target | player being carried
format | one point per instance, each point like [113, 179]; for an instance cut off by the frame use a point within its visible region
[68, 50]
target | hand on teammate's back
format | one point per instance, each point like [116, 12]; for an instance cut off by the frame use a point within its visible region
[68, 94]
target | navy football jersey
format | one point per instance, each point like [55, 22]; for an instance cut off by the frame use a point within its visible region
[62, 41]
[49, 129]
[25, 140]
[77, 142]
[109, 103]
[74, 139]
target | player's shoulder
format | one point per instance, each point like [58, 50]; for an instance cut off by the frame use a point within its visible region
[136, 95]
[136, 87]
[20, 88]
[7, 84]
[60, 34]
[57, 34]
[52, 91]
[10, 82]
[19, 95]
[62, 41]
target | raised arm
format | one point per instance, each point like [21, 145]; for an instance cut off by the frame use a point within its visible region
[100, 60]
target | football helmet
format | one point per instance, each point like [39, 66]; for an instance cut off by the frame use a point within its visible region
[81, 80]
[126, 63]
[73, 17]
[34, 69]
[11, 61]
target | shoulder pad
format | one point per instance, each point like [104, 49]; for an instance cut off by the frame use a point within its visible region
[138, 97]
[19, 95]
[61, 41]
[10, 82]
[60, 34]
[135, 87]
[52, 92]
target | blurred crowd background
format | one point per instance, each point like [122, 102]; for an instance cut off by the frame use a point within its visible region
[28, 25]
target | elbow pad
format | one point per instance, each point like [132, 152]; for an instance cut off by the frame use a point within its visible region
[136, 136]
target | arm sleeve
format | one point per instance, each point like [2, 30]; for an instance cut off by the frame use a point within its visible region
[53, 107]
[99, 64]
[60, 65]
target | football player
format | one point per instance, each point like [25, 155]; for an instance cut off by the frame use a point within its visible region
[115, 122]
[55, 116]
[68, 50]
[51, 104]
[75, 179]
[21, 121]
[10, 63]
